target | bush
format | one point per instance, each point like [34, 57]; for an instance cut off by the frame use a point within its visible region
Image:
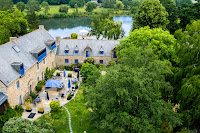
[89, 60]
[74, 36]
[33, 95]
[41, 109]
[69, 75]
[76, 85]
[38, 88]
[19, 110]
[63, 8]
[41, 82]
[69, 96]
[20, 125]
[27, 106]
[48, 73]
[55, 106]
[68, 68]
[57, 74]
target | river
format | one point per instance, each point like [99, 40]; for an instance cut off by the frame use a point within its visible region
[65, 26]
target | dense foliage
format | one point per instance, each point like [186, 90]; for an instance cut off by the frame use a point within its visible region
[63, 8]
[151, 13]
[103, 27]
[79, 3]
[12, 24]
[18, 124]
[108, 3]
[90, 6]
[55, 106]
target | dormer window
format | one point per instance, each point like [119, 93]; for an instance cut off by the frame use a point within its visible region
[53, 46]
[19, 67]
[76, 51]
[39, 53]
[101, 51]
[66, 52]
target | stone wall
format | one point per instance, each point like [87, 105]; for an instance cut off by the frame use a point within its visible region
[2, 87]
[30, 78]
[60, 60]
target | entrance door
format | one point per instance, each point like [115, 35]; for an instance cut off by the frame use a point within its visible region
[20, 100]
[30, 88]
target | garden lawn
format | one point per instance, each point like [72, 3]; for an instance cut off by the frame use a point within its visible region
[59, 125]
[78, 111]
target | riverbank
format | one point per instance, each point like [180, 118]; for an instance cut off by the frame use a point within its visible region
[54, 12]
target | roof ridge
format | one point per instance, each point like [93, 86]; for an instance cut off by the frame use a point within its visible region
[22, 36]
[90, 39]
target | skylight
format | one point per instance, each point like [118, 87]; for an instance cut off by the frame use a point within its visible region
[16, 49]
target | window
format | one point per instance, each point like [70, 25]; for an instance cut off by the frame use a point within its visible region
[17, 83]
[38, 79]
[66, 61]
[101, 61]
[43, 61]
[87, 53]
[66, 52]
[115, 55]
[22, 69]
[101, 52]
[42, 75]
[38, 66]
[76, 61]
[76, 52]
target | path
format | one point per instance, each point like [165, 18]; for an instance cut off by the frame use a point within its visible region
[70, 126]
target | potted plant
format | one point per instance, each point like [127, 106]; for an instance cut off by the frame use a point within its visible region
[76, 85]
[57, 74]
[69, 97]
[69, 75]
[28, 107]
[41, 110]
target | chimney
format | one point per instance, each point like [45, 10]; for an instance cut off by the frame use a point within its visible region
[58, 40]
[41, 27]
[13, 39]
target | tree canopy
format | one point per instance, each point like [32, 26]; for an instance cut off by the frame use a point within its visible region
[20, 6]
[6, 5]
[151, 13]
[90, 6]
[108, 3]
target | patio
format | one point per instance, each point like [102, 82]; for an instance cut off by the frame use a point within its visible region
[53, 94]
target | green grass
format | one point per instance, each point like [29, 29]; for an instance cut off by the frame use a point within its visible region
[78, 111]
[59, 125]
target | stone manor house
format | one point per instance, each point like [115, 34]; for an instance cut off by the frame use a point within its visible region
[24, 60]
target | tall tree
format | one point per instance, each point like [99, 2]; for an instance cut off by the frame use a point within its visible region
[45, 5]
[151, 13]
[187, 76]
[125, 100]
[119, 5]
[90, 6]
[20, 6]
[6, 5]
[103, 26]
[33, 6]
[32, 20]
[173, 14]
[80, 3]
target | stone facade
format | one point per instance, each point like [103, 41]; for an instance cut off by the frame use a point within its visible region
[60, 60]
[29, 79]
[3, 88]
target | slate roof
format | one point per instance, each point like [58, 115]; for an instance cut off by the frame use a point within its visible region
[3, 98]
[95, 45]
[26, 44]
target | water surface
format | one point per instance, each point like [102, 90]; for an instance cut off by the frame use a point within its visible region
[65, 26]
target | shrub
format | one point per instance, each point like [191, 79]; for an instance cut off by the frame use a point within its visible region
[40, 109]
[76, 85]
[33, 95]
[57, 74]
[55, 106]
[63, 8]
[74, 36]
[27, 106]
[19, 110]
[68, 68]
[38, 88]
[69, 96]
[89, 60]
[69, 75]
[20, 125]
[41, 82]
